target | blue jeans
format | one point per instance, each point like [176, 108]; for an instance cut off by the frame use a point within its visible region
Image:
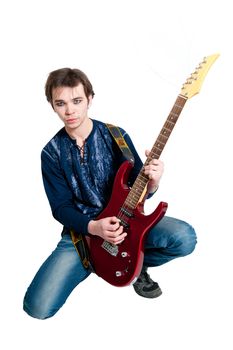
[63, 270]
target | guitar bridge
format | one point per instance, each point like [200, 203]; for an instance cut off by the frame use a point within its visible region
[110, 248]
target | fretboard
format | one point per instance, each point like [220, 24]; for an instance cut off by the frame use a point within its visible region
[141, 181]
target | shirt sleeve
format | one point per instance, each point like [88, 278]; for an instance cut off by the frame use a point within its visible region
[60, 196]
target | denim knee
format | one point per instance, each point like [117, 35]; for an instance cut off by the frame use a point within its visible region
[186, 240]
[37, 311]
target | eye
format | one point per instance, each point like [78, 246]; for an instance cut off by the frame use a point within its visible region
[77, 101]
[59, 104]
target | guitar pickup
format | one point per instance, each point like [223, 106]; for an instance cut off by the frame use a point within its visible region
[126, 212]
[124, 223]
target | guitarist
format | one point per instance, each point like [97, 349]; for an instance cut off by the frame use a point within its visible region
[78, 167]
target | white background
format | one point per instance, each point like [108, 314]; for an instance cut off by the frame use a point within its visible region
[137, 55]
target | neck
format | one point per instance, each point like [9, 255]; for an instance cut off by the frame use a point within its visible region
[81, 132]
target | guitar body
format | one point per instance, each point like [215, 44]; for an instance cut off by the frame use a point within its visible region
[121, 264]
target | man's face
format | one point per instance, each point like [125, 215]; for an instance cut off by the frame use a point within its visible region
[71, 105]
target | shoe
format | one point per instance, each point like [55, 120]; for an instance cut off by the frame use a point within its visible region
[145, 286]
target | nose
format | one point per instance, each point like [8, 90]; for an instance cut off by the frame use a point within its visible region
[69, 109]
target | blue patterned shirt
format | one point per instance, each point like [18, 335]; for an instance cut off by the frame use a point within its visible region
[79, 188]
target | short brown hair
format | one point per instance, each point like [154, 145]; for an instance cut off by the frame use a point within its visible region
[67, 77]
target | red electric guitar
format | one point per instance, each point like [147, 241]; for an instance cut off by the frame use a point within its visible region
[120, 265]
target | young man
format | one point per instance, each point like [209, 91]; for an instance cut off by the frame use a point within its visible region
[78, 167]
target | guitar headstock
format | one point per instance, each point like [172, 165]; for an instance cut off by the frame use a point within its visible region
[193, 84]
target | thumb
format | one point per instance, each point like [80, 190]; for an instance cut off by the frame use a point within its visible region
[147, 152]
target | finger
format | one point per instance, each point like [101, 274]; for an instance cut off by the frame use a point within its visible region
[152, 172]
[113, 227]
[111, 223]
[114, 219]
[120, 242]
[119, 239]
[153, 165]
[115, 234]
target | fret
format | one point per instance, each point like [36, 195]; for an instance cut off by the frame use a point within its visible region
[159, 142]
[169, 125]
[131, 203]
[135, 196]
[140, 185]
[162, 139]
[173, 116]
[157, 151]
[178, 106]
[165, 130]
[141, 177]
[137, 190]
[155, 156]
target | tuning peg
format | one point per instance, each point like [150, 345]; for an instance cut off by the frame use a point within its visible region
[190, 80]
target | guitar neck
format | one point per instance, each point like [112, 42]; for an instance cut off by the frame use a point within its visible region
[141, 181]
[190, 88]
[167, 129]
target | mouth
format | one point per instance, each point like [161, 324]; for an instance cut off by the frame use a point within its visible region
[71, 120]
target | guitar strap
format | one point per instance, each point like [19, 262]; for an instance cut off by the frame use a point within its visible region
[77, 238]
[81, 248]
[117, 135]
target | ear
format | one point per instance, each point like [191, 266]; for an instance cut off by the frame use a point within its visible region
[89, 101]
